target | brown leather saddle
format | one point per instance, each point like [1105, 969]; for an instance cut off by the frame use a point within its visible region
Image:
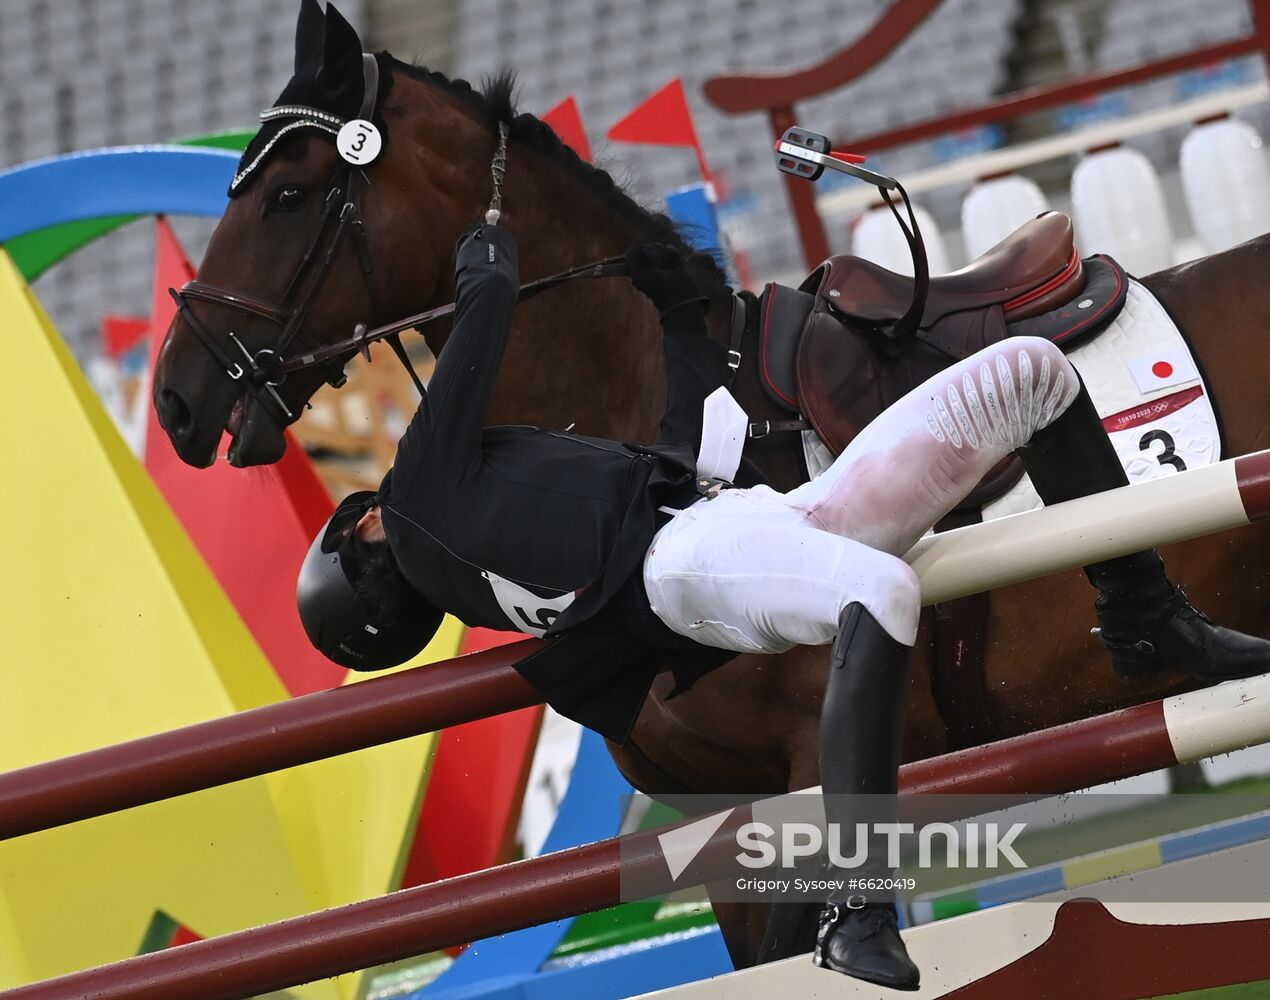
[828, 349]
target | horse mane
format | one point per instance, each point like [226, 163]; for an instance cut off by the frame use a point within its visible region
[495, 103]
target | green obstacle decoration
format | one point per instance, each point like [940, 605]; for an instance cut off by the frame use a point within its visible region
[34, 253]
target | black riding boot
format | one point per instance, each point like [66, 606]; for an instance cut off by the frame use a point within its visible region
[1147, 624]
[861, 731]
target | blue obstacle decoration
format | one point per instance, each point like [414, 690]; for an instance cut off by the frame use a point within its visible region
[1136, 858]
[130, 180]
[517, 967]
[694, 209]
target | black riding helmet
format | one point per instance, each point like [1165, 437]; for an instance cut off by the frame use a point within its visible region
[339, 623]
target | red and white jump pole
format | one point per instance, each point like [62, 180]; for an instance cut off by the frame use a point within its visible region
[966, 561]
[1174, 508]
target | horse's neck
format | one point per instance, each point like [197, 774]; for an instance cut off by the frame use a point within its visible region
[585, 354]
[560, 224]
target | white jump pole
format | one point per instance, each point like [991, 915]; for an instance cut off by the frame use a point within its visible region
[1024, 546]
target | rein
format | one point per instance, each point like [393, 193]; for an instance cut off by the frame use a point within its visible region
[362, 338]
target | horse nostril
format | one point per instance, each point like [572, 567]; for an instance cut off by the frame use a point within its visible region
[174, 415]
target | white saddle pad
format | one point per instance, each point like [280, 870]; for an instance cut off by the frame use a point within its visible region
[1146, 387]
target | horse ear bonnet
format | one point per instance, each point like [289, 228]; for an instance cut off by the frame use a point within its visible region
[309, 31]
[328, 77]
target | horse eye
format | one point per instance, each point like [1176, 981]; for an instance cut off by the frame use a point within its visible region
[289, 198]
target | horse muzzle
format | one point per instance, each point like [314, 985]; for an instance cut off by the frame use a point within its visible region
[255, 438]
[176, 417]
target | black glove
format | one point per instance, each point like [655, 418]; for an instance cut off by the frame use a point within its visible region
[470, 230]
[658, 271]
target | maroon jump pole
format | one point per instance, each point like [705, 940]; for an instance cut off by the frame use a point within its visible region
[580, 880]
[262, 740]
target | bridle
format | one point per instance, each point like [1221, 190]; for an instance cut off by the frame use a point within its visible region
[261, 372]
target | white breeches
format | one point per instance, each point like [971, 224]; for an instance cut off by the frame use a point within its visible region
[760, 571]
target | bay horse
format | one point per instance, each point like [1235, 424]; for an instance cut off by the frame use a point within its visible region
[587, 355]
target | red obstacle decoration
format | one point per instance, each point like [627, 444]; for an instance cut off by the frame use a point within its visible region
[566, 121]
[270, 517]
[663, 119]
[121, 334]
[492, 754]
[1099, 957]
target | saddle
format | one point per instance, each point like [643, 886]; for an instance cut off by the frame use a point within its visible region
[828, 349]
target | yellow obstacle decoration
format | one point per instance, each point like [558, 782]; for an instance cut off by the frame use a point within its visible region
[352, 818]
[11, 957]
[115, 629]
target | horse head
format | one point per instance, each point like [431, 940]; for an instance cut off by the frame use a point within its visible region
[312, 244]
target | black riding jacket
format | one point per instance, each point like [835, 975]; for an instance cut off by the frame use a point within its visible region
[542, 531]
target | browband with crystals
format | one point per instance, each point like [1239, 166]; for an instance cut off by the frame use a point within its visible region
[309, 118]
[315, 118]
[299, 111]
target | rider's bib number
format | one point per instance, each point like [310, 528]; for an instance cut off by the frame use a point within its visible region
[527, 612]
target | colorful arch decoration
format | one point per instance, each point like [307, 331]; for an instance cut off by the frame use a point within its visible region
[151, 180]
[36, 249]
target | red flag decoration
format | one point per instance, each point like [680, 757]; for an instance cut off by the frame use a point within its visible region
[123, 333]
[253, 527]
[566, 121]
[662, 120]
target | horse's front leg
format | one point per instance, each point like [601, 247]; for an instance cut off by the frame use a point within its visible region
[733, 733]
[741, 924]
